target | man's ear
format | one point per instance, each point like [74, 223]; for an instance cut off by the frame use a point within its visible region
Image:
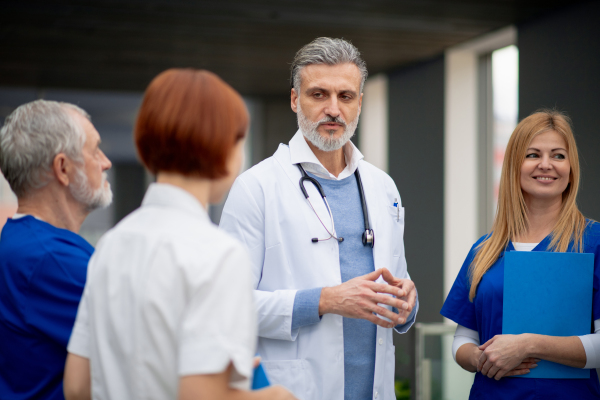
[294, 100]
[360, 103]
[61, 167]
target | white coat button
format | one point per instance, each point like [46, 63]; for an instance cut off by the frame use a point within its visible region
[380, 341]
[376, 394]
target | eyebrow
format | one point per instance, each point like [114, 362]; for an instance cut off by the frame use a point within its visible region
[558, 148]
[352, 92]
[317, 88]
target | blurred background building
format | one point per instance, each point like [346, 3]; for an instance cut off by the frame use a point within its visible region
[449, 80]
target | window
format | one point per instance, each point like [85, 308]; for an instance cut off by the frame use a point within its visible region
[498, 108]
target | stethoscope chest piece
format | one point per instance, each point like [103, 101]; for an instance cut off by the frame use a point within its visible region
[368, 238]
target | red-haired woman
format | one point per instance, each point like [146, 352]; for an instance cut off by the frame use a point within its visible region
[167, 310]
[537, 211]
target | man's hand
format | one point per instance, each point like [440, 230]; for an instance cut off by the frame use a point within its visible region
[409, 299]
[505, 355]
[360, 298]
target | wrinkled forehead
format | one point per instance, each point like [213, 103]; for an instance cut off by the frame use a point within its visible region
[339, 77]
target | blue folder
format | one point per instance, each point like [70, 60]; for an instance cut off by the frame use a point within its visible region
[548, 294]
[260, 380]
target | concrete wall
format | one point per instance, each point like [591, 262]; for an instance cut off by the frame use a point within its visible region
[272, 122]
[560, 67]
[416, 163]
[374, 120]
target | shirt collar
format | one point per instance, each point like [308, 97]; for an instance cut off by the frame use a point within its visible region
[19, 216]
[301, 153]
[165, 195]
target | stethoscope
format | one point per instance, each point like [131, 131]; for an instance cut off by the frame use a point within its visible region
[368, 237]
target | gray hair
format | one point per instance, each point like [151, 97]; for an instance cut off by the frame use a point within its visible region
[32, 136]
[328, 51]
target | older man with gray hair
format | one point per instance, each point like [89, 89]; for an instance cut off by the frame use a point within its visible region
[50, 156]
[325, 233]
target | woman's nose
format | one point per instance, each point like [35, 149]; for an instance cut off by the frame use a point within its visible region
[545, 163]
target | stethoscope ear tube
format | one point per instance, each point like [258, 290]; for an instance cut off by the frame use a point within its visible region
[314, 182]
[368, 237]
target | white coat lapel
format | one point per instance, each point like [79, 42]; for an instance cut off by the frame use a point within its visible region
[374, 206]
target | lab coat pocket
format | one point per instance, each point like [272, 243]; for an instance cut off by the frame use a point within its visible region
[397, 230]
[291, 374]
[397, 213]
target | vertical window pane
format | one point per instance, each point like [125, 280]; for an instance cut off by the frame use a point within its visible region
[505, 87]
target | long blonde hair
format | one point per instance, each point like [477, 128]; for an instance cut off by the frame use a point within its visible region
[511, 215]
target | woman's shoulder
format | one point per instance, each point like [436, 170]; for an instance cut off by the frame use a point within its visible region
[480, 241]
[471, 255]
[592, 225]
[591, 235]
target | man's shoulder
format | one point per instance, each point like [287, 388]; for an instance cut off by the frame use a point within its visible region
[31, 251]
[41, 237]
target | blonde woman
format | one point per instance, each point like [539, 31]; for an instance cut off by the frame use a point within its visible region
[537, 211]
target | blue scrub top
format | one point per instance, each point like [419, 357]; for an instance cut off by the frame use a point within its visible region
[484, 315]
[42, 274]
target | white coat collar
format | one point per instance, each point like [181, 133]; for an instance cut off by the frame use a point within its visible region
[165, 195]
[301, 153]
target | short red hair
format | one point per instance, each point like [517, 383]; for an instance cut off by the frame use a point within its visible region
[189, 122]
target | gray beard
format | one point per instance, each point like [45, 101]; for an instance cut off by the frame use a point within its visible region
[323, 143]
[91, 199]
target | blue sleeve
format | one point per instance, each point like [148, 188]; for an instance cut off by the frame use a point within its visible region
[410, 320]
[306, 308]
[457, 306]
[55, 290]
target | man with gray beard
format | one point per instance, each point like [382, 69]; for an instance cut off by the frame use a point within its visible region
[325, 233]
[50, 156]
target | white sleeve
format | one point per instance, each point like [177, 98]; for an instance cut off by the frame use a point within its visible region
[243, 217]
[463, 336]
[79, 342]
[591, 345]
[219, 323]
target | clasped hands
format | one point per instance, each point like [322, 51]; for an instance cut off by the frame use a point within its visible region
[504, 355]
[362, 297]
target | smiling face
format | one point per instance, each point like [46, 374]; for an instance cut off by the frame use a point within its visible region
[546, 167]
[328, 104]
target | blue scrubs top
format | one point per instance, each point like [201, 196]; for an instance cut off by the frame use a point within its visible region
[42, 274]
[484, 315]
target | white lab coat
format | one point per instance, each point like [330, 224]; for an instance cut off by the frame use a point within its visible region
[267, 211]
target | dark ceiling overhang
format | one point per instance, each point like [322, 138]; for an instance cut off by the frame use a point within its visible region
[122, 45]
